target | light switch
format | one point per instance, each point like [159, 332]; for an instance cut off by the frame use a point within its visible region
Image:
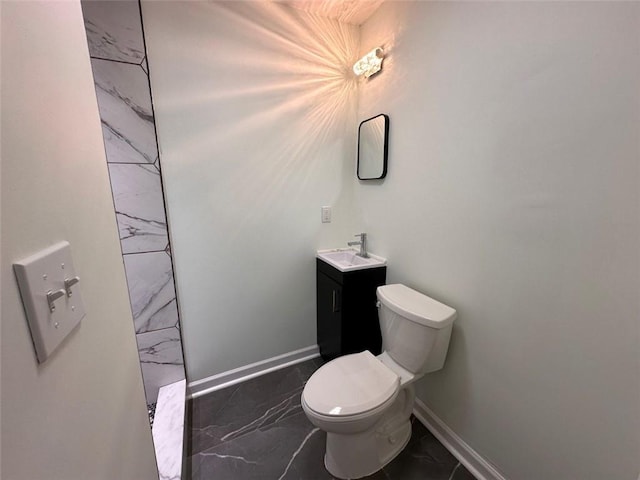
[326, 214]
[50, 290]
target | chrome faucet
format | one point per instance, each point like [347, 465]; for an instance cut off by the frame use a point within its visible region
[363, 245]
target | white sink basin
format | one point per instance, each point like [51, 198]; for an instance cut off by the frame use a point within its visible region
[347, 260]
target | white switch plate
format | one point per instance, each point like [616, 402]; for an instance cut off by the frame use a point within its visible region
[44, 272]
[326, 214]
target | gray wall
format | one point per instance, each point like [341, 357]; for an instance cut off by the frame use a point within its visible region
[81, 415]
[513, 195]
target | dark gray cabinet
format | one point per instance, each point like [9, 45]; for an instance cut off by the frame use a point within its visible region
[347, 317]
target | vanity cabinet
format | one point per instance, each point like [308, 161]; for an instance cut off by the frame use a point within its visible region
[347, 317]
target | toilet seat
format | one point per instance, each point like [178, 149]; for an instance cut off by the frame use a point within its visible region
[350, 386]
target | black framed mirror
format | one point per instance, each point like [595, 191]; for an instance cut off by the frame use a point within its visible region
[373, 139]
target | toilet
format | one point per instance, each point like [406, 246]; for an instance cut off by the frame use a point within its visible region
[364, 402]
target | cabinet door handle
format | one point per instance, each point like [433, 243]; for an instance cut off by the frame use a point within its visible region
[336, 304]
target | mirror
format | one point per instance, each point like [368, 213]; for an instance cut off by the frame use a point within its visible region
[373, 136]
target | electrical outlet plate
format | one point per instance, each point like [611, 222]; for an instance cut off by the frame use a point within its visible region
[326, 214]
[39, 274]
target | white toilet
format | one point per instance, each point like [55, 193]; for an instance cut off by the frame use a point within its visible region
[364, 402]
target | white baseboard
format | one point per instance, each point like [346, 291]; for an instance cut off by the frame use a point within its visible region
[481, 468]
[237, 375]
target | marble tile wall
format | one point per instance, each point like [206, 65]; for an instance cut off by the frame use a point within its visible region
[137, 196]
[168, 430]
[118, 59]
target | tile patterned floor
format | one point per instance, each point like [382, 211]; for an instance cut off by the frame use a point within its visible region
[257, 430]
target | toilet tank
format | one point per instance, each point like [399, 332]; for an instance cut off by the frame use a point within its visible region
[415, 328]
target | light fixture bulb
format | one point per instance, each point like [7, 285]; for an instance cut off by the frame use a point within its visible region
[370, 63]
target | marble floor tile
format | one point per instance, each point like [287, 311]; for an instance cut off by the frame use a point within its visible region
[288, 447]
[240, 409]
[160, 354]
[114, 30]
[137, 196]
[124, 102]
[263, 453]
[151, 291]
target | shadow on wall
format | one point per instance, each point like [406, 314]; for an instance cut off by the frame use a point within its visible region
[457, 370]
[280, 84]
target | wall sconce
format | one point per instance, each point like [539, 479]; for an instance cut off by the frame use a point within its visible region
[370, 63]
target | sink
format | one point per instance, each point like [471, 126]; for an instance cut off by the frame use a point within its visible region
[347, 260]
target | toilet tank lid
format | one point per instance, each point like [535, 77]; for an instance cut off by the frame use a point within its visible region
[416, 306]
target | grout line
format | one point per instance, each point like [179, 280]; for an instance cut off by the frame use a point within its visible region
[158, 330]
[146, 251]
[131, 163]
[124, 62]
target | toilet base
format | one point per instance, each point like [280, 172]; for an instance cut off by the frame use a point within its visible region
[362, 445]
[356, 456]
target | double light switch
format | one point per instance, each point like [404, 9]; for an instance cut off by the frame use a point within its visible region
[50, 292]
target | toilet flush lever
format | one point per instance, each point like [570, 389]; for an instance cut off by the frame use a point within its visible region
[68, 283]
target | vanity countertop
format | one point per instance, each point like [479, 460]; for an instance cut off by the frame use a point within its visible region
[348, 260]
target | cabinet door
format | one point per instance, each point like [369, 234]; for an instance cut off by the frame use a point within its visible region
[329, 310]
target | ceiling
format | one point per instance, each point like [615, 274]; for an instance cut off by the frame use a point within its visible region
[355, 12]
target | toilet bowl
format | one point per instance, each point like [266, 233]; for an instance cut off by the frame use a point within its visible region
[364, 402]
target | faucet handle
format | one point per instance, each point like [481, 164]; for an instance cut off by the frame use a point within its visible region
[363, 244]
